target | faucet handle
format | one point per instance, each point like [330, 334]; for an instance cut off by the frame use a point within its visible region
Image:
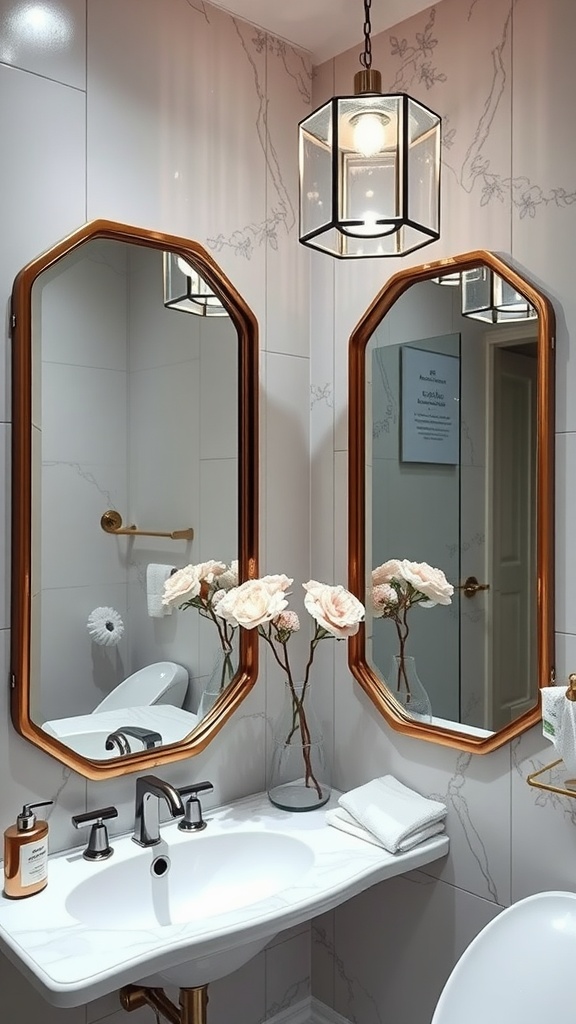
[193, 820]
[98, 846]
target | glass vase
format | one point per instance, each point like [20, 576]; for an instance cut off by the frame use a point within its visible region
[298, 774]
[222, 674]
[408, 689]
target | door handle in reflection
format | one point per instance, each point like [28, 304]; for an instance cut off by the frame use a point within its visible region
[471, 586]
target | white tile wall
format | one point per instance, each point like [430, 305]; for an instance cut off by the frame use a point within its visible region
[191, 128]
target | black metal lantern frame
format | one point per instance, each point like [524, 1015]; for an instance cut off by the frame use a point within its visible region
[369, 170]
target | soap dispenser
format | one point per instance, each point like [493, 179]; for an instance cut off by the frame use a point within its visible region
[26, 854]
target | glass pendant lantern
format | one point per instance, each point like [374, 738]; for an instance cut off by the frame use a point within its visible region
[186, 290]
[369, 170]
[491, 299]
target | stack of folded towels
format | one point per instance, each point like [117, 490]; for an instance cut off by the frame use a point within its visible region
[388, 814]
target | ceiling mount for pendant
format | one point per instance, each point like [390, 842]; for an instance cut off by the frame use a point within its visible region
[369, 170]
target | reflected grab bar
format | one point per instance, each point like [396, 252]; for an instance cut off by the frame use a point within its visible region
[111, 522]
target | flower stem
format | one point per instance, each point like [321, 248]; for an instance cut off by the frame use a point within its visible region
[299, 719]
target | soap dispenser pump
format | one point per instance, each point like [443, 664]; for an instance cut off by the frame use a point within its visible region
[26, 854]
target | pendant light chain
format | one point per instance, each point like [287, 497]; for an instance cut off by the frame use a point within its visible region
[366, 57]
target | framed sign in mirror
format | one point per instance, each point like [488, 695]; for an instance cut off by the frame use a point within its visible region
[135, 456]
[451, 506]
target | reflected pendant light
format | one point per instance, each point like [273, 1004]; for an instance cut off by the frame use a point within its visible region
[369, 170]
[186, 290]
[491, 299]
[452, 280]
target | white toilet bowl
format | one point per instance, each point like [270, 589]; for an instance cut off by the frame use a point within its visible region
[518, 970]
[164, 682]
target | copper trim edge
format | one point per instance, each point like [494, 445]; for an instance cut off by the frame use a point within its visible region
[361, 670]
[248, 489]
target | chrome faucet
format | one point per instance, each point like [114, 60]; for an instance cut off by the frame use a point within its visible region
[146, 814]
[119, 738]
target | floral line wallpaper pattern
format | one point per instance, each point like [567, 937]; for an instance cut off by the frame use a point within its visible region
[244, 240]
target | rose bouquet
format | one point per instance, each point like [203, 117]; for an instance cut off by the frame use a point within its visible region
[399, 585]
[262, 604]
[203, 587]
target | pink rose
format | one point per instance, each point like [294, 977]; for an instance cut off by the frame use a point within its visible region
[383, 597]
[334, 608]
[388, 571]
[287, 621]
[428, 581]
[251, 604]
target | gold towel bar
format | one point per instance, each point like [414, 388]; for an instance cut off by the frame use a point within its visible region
[569, 788]
[530, 779]
[111, 522]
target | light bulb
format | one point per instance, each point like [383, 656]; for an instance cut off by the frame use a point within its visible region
[369, 133]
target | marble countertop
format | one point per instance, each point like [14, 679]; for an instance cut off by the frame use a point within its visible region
[71, 962]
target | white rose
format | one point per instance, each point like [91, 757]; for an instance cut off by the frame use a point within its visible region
[277, 584]
[251, 604]
[428, 581]
[388, 571]
[334, 608]
[182, 585]
[229, 578]
[208, 571]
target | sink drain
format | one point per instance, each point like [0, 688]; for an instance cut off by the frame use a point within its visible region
[159, 866]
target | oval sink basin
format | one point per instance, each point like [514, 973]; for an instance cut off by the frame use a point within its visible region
[208, 876]
[253, 872]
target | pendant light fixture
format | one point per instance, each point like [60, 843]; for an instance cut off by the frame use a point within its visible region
[186, 290]
[491, 299]
[369, 170]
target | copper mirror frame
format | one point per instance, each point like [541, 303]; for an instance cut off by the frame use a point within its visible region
[21, 324]
[371, 683]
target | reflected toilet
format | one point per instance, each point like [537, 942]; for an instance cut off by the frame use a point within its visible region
[164, 682]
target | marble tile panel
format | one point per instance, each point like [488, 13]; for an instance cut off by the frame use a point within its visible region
[324, 958]
[322, 416]
[543, 823]
[565, 604]
[5, 518]
[82, 554]
[287, 974]
[475, 789]
[43, 193]
[393, 964]
[47, 39]
[288, 87]
[244, 990]
[184, 113]
[20, 1001]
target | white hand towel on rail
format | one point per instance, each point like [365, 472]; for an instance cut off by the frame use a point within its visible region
[156, 576]
[391, 811]
[340, 818]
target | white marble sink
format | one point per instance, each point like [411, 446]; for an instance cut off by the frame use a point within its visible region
[228, 891]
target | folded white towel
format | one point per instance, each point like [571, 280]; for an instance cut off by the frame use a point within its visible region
[340, 818]
[156, 576]
[391, 811]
